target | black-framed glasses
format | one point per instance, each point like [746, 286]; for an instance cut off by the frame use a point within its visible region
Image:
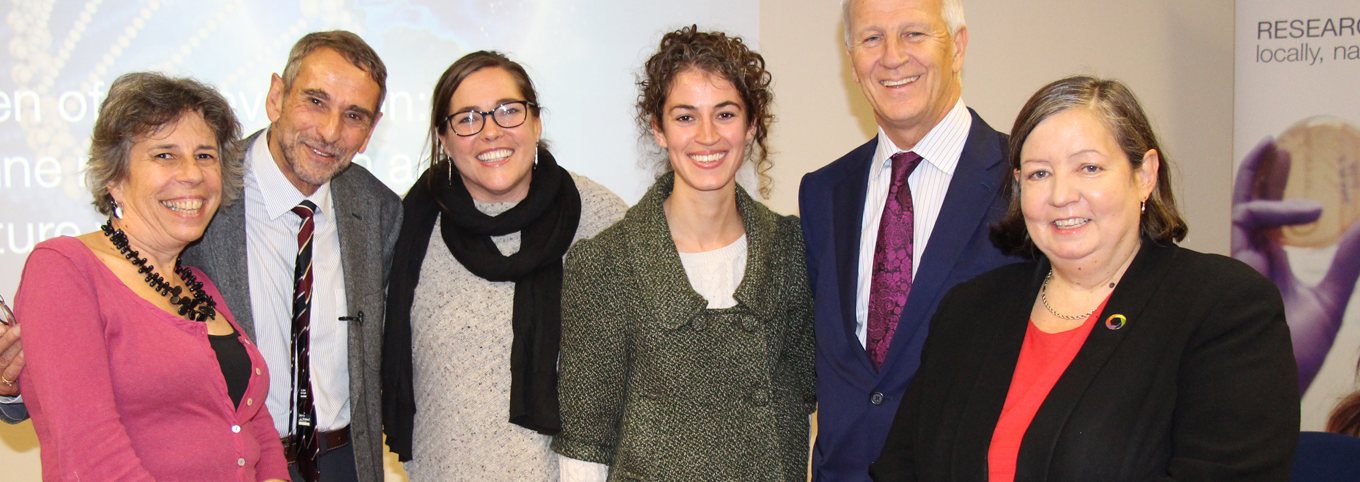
[508, 115]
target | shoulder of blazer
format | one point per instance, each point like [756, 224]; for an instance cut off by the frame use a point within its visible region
[854, 161]
[986, 291]
[358, 182]
[981, 135]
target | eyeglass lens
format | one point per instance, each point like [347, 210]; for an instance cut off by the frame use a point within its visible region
[508, 115]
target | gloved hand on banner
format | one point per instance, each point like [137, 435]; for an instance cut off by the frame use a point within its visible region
[1314, 312]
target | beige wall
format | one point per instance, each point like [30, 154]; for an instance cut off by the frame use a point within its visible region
[19, 452]
[1176, 55]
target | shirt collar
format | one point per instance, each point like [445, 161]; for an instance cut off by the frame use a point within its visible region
[279, 195]
[941, 147]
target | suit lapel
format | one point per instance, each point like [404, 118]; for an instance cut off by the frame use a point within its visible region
[667, 292]
[972, 191]
[222, 254]
[352, 230]
[848, 217]
[1136, 288]
[352, 213]
[224, 248]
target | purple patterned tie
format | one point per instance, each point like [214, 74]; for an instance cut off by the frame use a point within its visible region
[892, 260]
[304, 412]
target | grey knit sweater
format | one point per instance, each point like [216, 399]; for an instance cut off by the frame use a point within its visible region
[460, 337]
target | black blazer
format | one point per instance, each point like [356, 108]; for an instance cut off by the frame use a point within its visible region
[1199, 383]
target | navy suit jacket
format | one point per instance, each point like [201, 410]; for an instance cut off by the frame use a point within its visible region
[856, 403]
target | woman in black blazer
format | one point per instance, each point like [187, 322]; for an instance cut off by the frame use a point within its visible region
[1115, 355]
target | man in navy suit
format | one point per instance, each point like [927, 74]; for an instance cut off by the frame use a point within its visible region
[907, 57]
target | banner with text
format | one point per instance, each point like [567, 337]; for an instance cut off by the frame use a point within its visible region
[1296, 200]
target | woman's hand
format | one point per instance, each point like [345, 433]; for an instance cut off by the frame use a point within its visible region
[11, 360]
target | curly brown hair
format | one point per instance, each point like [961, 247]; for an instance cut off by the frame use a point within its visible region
[718, 54]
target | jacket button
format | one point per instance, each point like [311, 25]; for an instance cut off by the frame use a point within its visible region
[240, 462]
[876, 398]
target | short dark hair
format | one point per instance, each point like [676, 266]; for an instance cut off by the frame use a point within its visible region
[453, 78]
[714, 53]
[349, 46]
[1115, 104]
[139, 104]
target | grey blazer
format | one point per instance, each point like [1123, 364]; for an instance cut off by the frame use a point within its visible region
[368, 216]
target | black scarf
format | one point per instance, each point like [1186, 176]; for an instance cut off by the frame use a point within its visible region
[547, 219]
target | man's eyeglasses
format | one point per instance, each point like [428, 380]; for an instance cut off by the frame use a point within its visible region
[508, 115]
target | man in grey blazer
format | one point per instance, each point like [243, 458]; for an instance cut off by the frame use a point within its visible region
[322, 112]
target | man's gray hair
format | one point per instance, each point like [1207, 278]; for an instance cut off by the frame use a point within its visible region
[348, 45]
[951, 10]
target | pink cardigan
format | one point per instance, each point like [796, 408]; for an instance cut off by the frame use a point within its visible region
[121, 390]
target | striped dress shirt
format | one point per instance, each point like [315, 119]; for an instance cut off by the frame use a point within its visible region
[940, 149]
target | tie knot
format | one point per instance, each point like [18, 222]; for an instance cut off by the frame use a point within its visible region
[305, 209]
[903, 163]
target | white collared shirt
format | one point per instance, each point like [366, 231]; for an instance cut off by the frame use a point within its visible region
[940, 149]
[271, 244]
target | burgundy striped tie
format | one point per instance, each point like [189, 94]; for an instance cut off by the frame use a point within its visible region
[304, 413]
[891, 279]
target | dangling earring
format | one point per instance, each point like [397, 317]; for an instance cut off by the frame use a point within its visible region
[1142, 207]
[440, 155]
[117, 210]
[535, 156]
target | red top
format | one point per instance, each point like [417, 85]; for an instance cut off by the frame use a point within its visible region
[1043, 359]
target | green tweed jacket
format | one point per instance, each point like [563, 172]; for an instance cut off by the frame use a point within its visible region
[660, 387]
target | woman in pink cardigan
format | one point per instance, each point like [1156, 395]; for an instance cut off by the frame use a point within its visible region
[135, 368]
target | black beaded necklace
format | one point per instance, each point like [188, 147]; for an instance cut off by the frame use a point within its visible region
[198, 307]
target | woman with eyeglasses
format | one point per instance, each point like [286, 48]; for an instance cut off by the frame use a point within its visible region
[474, 315]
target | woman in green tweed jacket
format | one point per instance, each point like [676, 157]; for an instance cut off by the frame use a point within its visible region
[687, 327]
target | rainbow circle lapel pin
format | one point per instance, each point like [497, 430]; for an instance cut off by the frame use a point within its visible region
[1115, 322]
